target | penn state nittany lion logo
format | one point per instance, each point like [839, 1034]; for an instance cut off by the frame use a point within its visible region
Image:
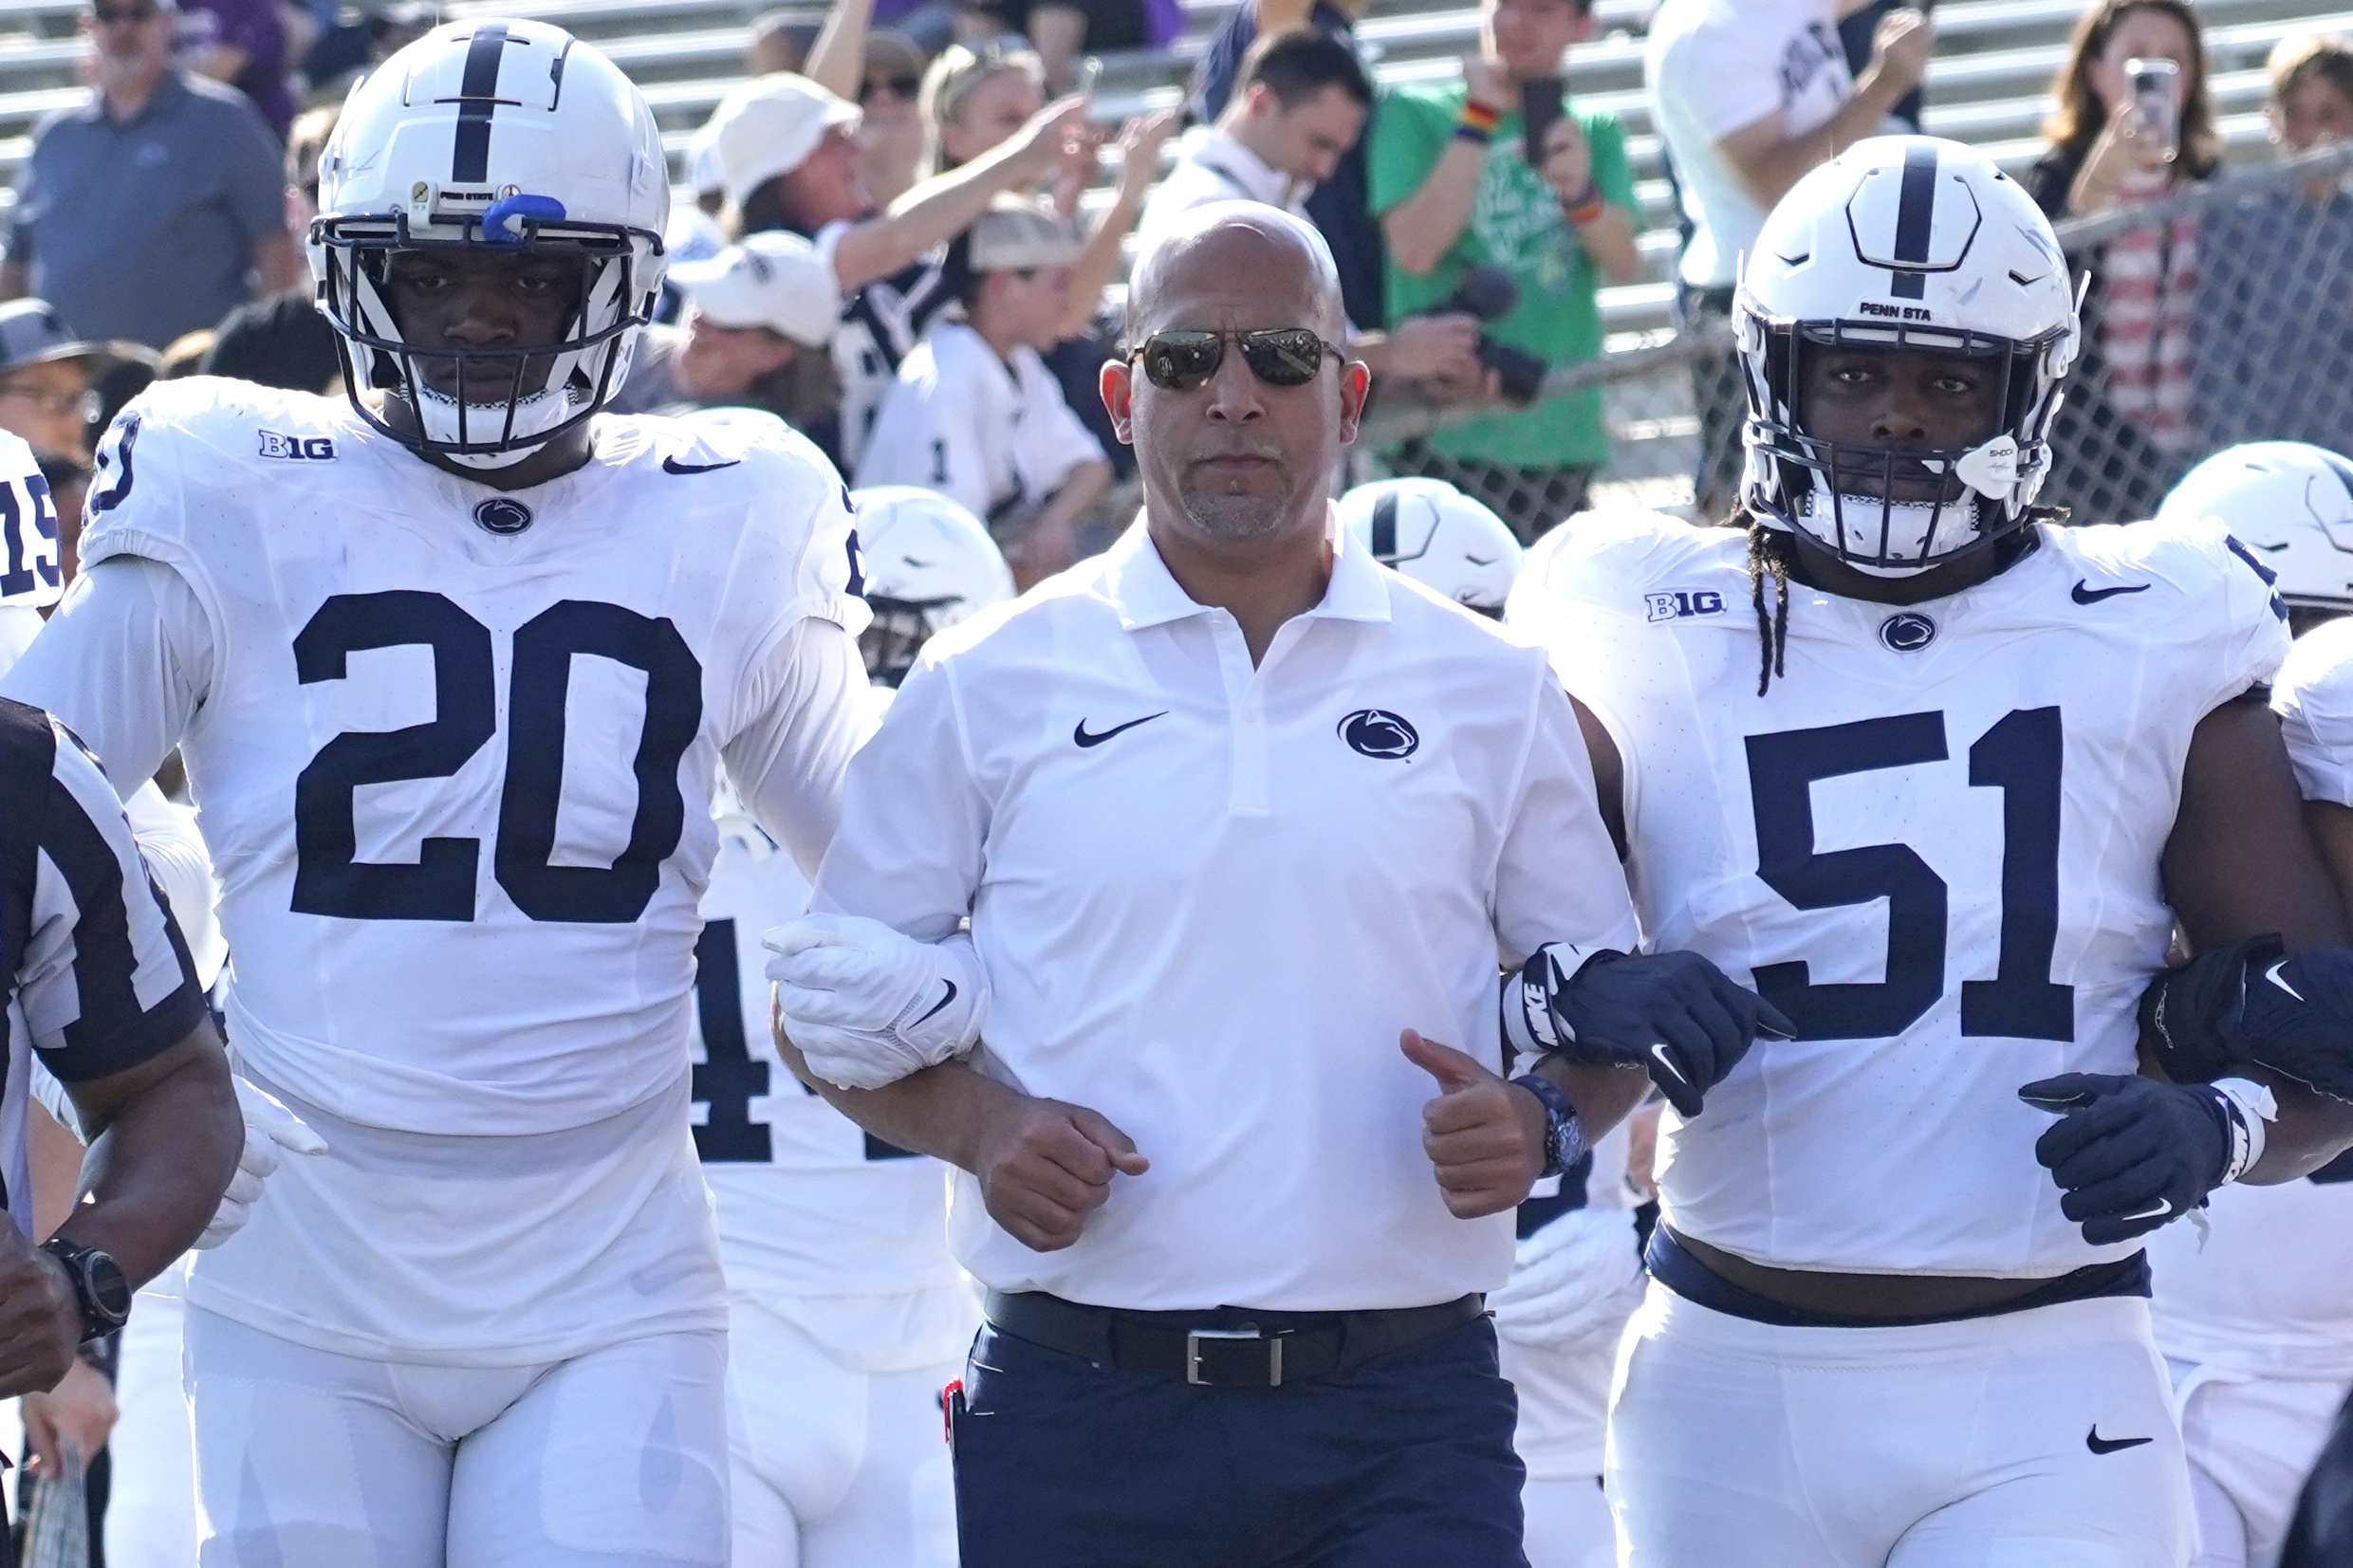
[1377, 732]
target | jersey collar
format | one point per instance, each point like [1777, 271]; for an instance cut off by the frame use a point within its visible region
[1137, 584]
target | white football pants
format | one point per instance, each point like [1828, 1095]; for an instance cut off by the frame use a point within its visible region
[2038, 1439]
[151, 1511]
[1563, 1397]
[307, 1458]
[835, 1467]
[2251, 1441]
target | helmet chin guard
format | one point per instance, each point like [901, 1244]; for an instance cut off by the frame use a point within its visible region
[1902, 245]
[510, 135]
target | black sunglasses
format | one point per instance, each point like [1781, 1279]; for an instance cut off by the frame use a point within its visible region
[1279, 356]
[134, 14]
[900, 87]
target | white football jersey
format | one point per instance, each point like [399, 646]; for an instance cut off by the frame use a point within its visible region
[809, 1204]
[453, 749]
[1933, 844]
[28, 572]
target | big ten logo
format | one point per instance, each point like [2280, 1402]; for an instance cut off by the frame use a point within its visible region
[1691, 601]
[311, 449]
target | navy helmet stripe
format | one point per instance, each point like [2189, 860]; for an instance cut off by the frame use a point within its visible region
[478, 100]
[1384, 528]
[2337, 465]
[1915, 207]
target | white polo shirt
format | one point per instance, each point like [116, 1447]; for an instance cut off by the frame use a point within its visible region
[989, 434]
[1213, 166]
[1208, 897]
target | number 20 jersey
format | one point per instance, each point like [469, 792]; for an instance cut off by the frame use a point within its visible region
[1933, 843]
[456, 746]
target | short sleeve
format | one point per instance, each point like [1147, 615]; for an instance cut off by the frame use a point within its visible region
[1613, 174]
[908, 851]
[106, 981]
[257, 180]
[25, 215]
[1056, 440]
[1409, 137]
[1711, 72]
[2313, 697]
[2254, 633]
[1558, 878]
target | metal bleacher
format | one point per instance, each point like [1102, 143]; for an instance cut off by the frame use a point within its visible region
[1988, 84]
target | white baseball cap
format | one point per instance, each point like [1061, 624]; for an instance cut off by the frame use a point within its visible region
[769, 127]
[773, 280]
[1014, 235]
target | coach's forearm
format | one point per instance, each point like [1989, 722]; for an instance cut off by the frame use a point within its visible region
[938, 1110]
[170, 1134]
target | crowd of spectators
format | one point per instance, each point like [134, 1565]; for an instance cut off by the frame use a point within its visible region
[891, 242]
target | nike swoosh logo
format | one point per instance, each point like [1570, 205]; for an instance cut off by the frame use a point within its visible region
[2085, 594]
[2272, 974]
[2098, 1444]
[951, 997]
[1476, 562]
[1666, 1062]
[671, 464]
[1084, 739]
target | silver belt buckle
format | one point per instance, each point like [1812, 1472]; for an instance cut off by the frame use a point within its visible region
[1193, 1353]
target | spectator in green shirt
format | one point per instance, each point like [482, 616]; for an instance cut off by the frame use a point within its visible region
[1454, 188]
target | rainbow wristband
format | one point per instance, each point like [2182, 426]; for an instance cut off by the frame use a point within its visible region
[1586, 207]
[1478, 123]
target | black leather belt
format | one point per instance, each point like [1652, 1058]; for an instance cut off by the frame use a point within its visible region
[1225, 1347]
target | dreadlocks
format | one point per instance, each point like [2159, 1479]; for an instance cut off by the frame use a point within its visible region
[1769, 556]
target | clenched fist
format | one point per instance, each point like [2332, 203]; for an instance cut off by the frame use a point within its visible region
[1044, 1166]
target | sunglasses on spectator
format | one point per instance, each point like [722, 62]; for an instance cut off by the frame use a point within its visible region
[129, 15]
[1279, 356]
[899, 87]
[84, 403]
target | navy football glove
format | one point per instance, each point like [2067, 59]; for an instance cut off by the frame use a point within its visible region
[1675, 1013]
[2292, 1013]
[2130, 1153]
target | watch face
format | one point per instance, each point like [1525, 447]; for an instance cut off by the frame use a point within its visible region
[110, 1292]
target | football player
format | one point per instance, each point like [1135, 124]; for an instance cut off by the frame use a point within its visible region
[1437, 535]
[453, 665]
[1942, 779]
[847, 1313]
[929, 564]
[2256, 1320]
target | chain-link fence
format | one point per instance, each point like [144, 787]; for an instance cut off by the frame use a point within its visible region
[2222, 313]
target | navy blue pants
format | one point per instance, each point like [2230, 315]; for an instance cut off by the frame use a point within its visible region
[1405, 1461]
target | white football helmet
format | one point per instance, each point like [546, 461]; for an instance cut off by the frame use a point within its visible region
[2291, 505]
[1437, 535]
[1903, 243]
[509, 134]
[928, 564]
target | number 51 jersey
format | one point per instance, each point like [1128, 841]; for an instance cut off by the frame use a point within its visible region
[455, 744]
[1933, 843]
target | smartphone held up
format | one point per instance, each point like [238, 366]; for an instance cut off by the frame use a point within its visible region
[2157, 102]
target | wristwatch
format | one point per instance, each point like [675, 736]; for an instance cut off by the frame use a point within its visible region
[1564, 1135]
[100, 1287]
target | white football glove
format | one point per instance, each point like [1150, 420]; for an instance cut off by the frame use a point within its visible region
[866, 1004]
[269, 1127]
[1573, 1284]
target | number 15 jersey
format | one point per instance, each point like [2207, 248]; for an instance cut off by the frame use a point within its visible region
[450, 745]
[1933, 843]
